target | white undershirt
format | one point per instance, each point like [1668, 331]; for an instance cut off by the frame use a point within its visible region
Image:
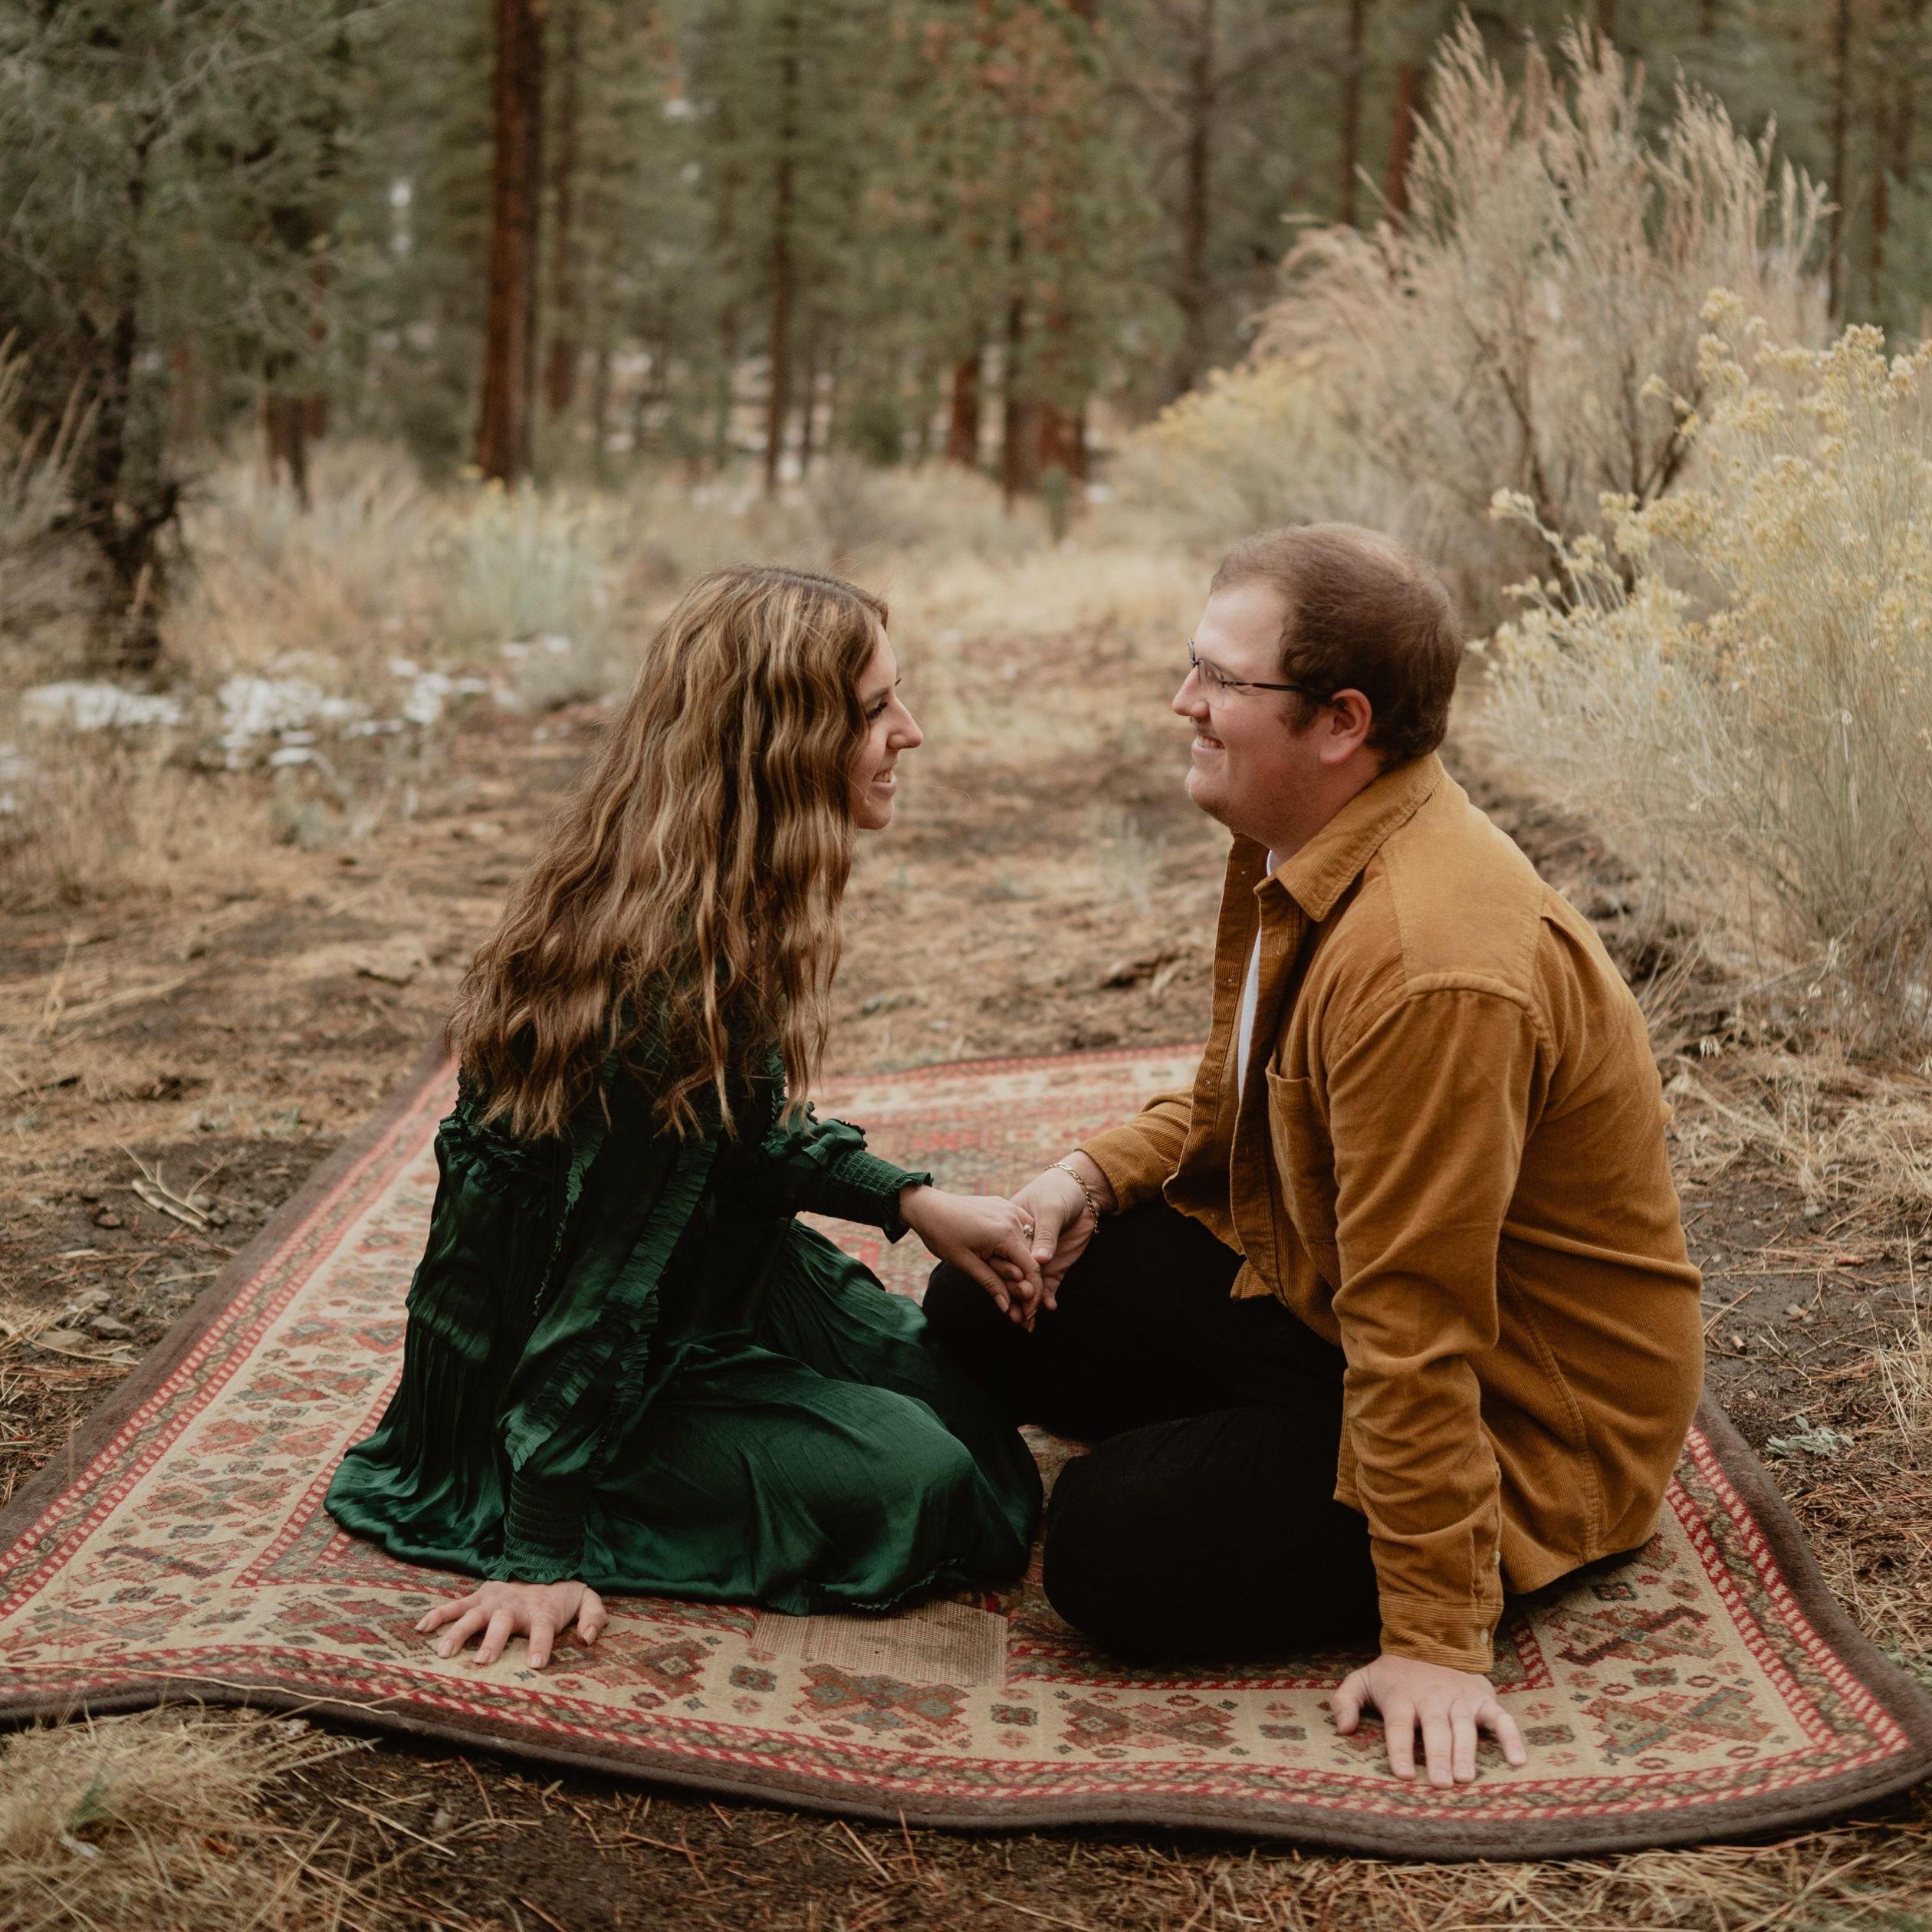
[1251, 1000]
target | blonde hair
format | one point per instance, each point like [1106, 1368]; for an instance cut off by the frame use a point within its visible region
[686, 900]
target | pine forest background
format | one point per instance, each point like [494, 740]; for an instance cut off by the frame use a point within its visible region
[568, 239]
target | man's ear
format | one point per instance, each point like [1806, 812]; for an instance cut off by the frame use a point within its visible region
[1351, 717]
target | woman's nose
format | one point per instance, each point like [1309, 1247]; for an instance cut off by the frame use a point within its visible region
[909, 736]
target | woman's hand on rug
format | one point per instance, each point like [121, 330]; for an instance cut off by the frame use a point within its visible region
[1448, 1706]
[501, 1611]
[982, 1235]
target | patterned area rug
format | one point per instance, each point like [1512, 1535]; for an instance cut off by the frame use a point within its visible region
[1711, 1687]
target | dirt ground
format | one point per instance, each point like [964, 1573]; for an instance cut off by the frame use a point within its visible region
[220, 1040]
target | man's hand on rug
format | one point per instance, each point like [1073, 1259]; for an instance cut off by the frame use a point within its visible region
[501, 1611]
[982, 1236]
[1448, 1706]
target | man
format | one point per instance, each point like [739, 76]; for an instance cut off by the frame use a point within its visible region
[1392, 1312]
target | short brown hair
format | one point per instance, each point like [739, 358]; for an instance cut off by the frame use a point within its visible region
[1361, 613]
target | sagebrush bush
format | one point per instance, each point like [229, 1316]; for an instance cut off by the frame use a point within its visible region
[1257, 448]
[1742, 675]
[1505, 333]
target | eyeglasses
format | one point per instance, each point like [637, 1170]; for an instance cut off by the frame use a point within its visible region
[1217, 684]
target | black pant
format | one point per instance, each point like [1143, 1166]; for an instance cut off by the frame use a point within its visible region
[1203, 1524]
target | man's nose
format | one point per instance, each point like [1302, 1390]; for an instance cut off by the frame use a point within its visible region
[1189, 701]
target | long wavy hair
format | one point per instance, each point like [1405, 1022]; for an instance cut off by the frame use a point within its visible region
[683, 914]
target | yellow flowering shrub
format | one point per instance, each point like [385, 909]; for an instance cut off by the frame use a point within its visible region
[1741, 674]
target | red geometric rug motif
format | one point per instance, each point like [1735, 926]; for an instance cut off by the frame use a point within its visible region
[1711, 1687]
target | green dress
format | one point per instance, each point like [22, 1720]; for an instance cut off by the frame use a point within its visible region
[626, 1363]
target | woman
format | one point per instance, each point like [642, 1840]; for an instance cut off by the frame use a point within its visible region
[627, 1366]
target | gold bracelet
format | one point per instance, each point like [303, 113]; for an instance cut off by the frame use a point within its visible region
[1079, 1180]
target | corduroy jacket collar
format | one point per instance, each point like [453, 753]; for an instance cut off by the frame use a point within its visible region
[1330, 862]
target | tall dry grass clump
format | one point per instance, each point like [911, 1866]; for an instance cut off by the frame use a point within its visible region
[1527, 324]
[156, 1823]
[1741, 677]
[42, 604]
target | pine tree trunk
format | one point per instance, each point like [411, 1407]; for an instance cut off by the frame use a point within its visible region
[808, 396]
[187, 396]
[510, 332]
[963, 415]
[567, 318]
[1840, 121]
[125, 526]
[725, 404]
[599, 408]
[284, 423]
[778, 330]
[1053, 439]
[1062, 441]
[1020, 423]
[1352, 111]
[1878, 214]
[1191, 293]
[1401, 140]
[315, 407]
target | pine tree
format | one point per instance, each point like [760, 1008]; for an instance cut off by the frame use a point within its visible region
[166, 176]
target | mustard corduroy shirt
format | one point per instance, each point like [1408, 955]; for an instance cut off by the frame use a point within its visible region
[1449, 1158]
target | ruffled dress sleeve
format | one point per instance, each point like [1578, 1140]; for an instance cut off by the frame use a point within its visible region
[808, 1165]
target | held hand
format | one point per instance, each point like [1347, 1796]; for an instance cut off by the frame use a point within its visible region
[1449, 1707]
[1053, 1202]
[981, 1235]
[501, 1611]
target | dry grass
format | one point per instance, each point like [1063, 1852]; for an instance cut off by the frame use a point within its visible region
[1857, 1143]
[1739, 682]
[1848, 1881]
[156, 1822]
[317, 660]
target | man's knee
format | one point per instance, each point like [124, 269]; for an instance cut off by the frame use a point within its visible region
[956, 1306]
[1089, 1558]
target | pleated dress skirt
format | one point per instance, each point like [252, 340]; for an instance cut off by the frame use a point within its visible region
[805, 1447]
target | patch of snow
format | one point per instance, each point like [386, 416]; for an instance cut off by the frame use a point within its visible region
[94, 704]
[428, 692]
[255, 708]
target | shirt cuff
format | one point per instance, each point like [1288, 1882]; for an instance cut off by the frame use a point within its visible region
[543, 1530]
[1459, 1637]
[860, 1187]
[1122, 1156]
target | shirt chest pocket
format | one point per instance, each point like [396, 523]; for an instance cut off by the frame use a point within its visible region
[1304, 1163]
